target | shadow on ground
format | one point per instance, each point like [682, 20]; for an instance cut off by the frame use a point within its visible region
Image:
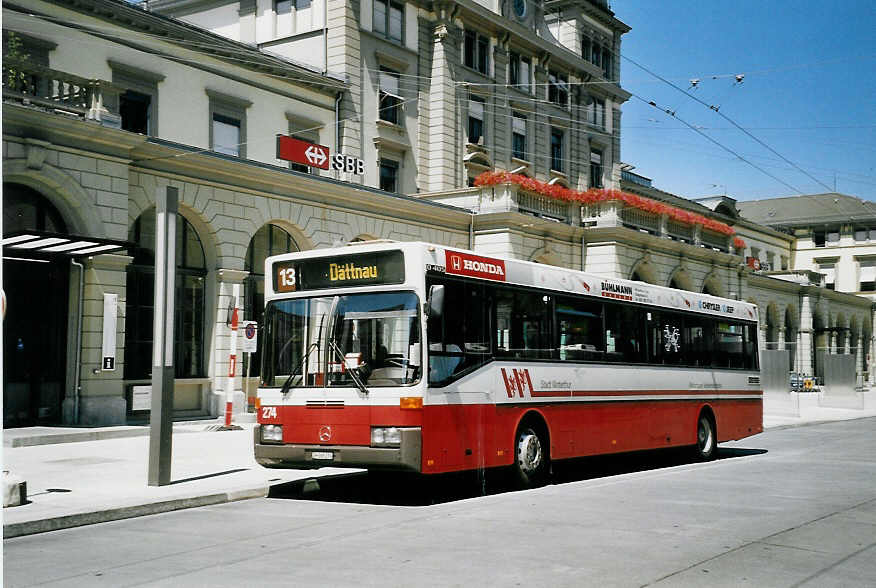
[400, 489]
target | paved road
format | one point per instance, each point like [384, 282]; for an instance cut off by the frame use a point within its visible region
[790, 507]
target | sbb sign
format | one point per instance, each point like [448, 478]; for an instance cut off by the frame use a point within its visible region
[347, 163]
[314, 155]
[302, 152]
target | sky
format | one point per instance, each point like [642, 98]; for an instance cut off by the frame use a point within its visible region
[807, 98]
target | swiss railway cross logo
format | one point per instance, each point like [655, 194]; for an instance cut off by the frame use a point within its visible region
[517, 382]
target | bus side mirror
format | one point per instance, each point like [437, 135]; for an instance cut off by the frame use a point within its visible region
[435, 301]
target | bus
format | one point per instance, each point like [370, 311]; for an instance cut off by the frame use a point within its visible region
[430, 359]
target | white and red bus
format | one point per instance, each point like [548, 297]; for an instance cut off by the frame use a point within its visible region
[430, 359]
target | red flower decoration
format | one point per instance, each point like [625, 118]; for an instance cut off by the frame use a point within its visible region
[596, 195]
[738, 243]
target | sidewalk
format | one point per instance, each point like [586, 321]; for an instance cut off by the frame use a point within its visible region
[86, 476]
[81, 482]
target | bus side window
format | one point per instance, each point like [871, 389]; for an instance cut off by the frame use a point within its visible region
[580, 330]
[624, 333]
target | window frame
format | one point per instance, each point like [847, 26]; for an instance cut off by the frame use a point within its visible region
[385, 29]
[139, 81]
[397, 106]
[558, 88]
[597, 168]
[476, 51]
[521, 154]
[557, 160]
[229, 108]
[475, 120]
[393, 164]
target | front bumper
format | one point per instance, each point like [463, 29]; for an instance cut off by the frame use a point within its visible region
[298, 456]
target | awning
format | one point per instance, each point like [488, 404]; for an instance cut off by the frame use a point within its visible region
[57, 245]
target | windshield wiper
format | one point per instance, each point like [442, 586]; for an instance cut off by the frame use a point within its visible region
[288, 383]
[354, 372]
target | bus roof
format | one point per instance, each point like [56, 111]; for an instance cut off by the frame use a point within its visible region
[465, 263]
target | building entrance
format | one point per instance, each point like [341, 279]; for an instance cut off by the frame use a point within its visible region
[34, 341]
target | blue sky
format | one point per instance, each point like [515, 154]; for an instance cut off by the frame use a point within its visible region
[808, 93]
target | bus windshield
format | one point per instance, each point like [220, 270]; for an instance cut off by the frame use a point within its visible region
[351, 340]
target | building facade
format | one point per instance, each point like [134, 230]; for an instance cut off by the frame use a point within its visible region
[493, 126]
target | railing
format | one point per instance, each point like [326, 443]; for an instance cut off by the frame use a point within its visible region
[639, 219]
[60, 92]
[715, 240]
[542, 206]
[680, 231]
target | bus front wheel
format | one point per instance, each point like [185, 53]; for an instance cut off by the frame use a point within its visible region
[530, 457]
[707, 438]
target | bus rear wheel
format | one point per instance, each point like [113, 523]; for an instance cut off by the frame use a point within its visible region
[530, 457]
[707, 438]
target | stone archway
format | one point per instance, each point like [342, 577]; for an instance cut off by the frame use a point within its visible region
[681, 280]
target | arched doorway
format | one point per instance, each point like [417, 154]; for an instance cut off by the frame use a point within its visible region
[35, 330]
[268, 240]
[189, 301]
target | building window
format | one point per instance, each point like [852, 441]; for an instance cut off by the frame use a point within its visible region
[190, 301]
[595, 113]
[390, 101]
[389, 19]
[519, 72]
[867, 277]
[818, 238]
[476, 120]
[595, 168]
[138, 103]
[557, 150]
[226, 135]
[833, 237]
[135, 109]
[585, 49]
[476, 52]
[388, 175]
[518, 136]
[558, 88]
[829, 271]
[228, 124]
[606, 64]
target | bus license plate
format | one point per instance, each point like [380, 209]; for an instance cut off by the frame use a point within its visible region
[322, 455]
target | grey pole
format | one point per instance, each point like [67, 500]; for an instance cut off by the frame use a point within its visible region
[160, 425]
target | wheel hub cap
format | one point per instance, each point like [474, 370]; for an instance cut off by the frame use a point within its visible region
[529, 453]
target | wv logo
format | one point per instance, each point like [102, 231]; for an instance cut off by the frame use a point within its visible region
[517, 382]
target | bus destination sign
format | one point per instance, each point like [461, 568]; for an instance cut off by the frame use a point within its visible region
[363, 269]
[475, 266]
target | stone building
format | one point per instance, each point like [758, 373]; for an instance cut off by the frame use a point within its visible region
[107, 104]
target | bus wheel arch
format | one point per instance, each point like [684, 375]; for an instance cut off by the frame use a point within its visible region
[706, 444]
[531, 447]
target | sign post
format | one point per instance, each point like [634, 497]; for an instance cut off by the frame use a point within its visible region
[232, 357]
[250, 344]
[160, 425]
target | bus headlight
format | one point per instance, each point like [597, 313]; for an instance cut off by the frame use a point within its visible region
[385, 437]
[272, 433]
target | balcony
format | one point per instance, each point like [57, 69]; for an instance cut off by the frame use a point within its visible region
[30, 84]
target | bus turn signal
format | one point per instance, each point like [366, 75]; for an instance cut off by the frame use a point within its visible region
[411, 402]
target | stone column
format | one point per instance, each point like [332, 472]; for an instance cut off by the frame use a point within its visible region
[102, 396]
[805, 338]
